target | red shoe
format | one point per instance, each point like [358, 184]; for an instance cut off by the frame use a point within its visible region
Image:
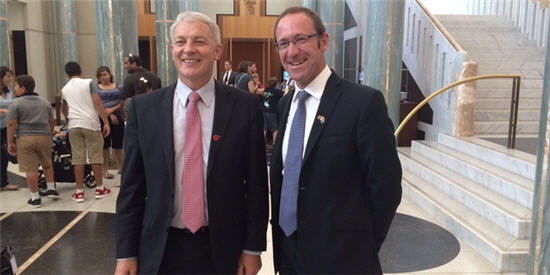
[101, 193]
[78, 196]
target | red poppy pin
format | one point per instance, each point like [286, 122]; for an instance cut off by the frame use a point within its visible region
[216, 137]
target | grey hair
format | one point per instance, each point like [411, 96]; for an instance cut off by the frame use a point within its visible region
[191, 16]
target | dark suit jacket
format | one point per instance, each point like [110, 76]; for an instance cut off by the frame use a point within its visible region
[231, 78]
[350, 182]
[236, 179]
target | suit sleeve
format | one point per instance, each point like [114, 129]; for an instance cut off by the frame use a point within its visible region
[380, 164]
[131, 198]
[256, 183]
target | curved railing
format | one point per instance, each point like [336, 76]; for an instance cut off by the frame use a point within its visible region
[512, 127]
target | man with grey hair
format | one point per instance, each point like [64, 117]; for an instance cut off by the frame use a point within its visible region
[193, 197]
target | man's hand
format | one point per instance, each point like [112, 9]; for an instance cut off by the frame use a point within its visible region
[126, 267]
[249, 264]
[12, 150]
[106, 129]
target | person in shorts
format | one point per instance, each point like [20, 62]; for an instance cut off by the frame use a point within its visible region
[30, 118]
[82, 107]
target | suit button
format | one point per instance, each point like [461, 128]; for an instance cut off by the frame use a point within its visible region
[302, 222]
[302, 188]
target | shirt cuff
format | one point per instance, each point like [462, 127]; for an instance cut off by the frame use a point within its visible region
[251, 252]
[126, 259]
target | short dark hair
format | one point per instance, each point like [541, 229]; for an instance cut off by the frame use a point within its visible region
[317, 22]
[230, 62]
[103, 69]
[243, 67]
[134, 58]
[272, 82]
[72, 68]
[25, 81]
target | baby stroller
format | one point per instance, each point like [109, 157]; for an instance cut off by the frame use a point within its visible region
[62, 167]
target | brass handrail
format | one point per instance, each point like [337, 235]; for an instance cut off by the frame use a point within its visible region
[440, 27]
[513, 108]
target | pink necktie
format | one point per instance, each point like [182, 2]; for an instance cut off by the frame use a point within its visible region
[193, 215]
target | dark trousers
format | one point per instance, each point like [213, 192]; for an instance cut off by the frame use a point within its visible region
[289, 253]
[187, 253]
[4, 158]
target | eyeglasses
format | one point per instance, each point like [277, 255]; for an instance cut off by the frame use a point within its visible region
[298, 40]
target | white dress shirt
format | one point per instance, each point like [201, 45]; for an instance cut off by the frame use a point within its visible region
[206, 109]
[315, 88]
[226, 77]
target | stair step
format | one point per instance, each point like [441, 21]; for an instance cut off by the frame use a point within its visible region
[507, 214]
[502, 181]
[504, 115]
[504, 251]
[514, 161]
[506, 93]
[501, 127]
[497, 103]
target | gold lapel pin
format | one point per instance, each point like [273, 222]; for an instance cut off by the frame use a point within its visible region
[321, 119]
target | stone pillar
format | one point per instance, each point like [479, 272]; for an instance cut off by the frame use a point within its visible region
[382, 53]
[463, 125]
[539, 249]
[332, 13]
[166, 12]
[65, 37]
[117, 35]
[4, 36]
[311, 4]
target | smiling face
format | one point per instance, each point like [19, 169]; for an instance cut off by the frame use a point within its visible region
[305, 61]
[194, 51]
[6, 79]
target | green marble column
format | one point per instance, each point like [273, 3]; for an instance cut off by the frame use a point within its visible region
[4, 35]
[166, 12]
[332, 14]
[382, 53]
[117, 35]
[311, 4]
[539, 250]
[66, 48]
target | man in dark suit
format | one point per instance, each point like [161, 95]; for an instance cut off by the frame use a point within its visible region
[228, 77]
[335, 174]
[193, 197]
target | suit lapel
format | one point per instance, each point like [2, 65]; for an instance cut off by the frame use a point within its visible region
[328, 100]
[222, 116]
[277, 157]
[167, 132]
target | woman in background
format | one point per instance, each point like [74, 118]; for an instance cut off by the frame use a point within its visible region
[6, 75]
[109, 93]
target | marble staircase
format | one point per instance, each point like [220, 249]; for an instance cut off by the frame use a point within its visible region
[479, 191]
[500, 48]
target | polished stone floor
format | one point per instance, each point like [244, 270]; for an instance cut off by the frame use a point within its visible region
[63, 237]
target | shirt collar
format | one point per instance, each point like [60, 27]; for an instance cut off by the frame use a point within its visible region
[316, 87]
[206, 92]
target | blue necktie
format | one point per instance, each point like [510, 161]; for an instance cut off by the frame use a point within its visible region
[293, 165]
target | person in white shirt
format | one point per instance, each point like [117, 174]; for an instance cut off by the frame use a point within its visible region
[82, 107]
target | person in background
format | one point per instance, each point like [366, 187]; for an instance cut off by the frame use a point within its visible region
[132, 63]
[228, 77]
[109, 93]
[82, 106]
[6, 75]
[258, 86]
[243, 80]
[270, 108]
[30, 118]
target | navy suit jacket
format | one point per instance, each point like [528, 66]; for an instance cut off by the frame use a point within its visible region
[350, 181]
[236, 179]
